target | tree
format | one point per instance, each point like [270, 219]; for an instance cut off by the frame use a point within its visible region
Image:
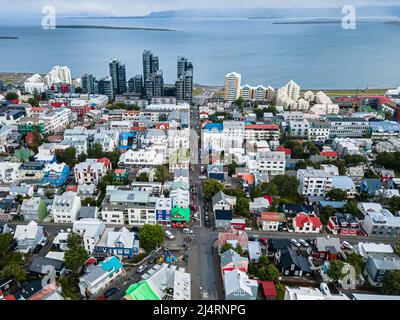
[394, 204]
[151, 236]
[114, 156]
[11, 263]
[242, 206]
[35, 141]
[69, 156]
[391, 283]
[11, 96]
[355, 159]
[162, 174]
[327, 212]
[397, 246]
[287, 185]
[356, 261]
[227, 246]
[232, 168]
[211, 187]
[337, 194]
[143, 177]
[335, 271]
[239, 102]
[96, 151]
[76, 255]
[351, 207]
[33, 102]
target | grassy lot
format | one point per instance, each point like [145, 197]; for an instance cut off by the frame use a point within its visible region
[220, 93]
[197, 91]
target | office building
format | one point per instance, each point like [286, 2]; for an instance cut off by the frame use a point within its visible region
[232, 86]
[88, 83]
[118, 75]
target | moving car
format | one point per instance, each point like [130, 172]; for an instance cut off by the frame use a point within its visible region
[295, 242]
[304, 243]
[346, 245]
[141, 268]
[187, 231]
[169, 235]
[110, 292]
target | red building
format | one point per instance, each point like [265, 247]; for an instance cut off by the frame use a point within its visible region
[343, 224]
[238, 224]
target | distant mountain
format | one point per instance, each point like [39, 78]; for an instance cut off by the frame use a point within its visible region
[269, 13]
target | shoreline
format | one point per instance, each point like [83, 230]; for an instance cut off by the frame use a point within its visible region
[83, 26]
[19, 77]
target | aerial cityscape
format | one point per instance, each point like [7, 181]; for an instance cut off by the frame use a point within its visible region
[127, 186]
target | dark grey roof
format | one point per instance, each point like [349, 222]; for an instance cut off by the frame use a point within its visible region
[39, 262]
[289, 257]
[87, 212]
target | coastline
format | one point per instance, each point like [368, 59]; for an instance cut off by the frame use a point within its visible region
[83, 26]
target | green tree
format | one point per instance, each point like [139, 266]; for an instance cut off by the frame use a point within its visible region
[33, 102]
[355, 159]
[211, 187]
[76, 255]
[114, 156]
[336, 194]
[239, 102]
[287, 185]
[394, 204]
[391, 283]
[351, 207]
[356, 261]
[242, 206]
[143, 177]
[232, 168]
[11, 96]
[227, 246]
[326, 212]
[11, 263]
[397, 246]
[96, 151]
[162, 174]
[151, 236]
[335, 271]
[69, 156]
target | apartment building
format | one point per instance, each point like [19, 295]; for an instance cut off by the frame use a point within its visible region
[345, 127]
[271, 163]
[232, 86]
[261, 132]
[313, 182]
[318, 130]
[90, 172]
[90, 230]
[66, 207]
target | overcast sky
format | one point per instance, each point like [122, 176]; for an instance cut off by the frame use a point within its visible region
[142, 7]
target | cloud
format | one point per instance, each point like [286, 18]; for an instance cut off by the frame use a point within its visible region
[142, 7]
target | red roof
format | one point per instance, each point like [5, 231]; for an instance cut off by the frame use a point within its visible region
[269, 288]
[262, 126]
[272, 216]
[328, 153]
[105, 161]
[269, 198]
[249, 178]
[303, 218]
[382, 99]
[73, 188]
[282, 148]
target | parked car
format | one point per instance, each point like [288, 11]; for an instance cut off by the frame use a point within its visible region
[101, 298]
[206, 214]
[195, 216]
[346, 245]
[169, 235]
[207, 224]
[202, 177]
[206, 207]
[110, 292]
[206, 218]
[304, 243]
[264, 241]
[187, 231]
[141, 268]
[295, 242]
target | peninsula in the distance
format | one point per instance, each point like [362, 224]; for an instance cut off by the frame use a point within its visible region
[80, 26]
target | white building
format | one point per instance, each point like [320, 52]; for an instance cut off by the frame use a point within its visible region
[9, 171]
[269, 162]
[89, 172]
[28, 236]
[58, 75]
[144, 157]
[66, 207]
[299, 128]
[35, 84]
[233, 134]
[232, 86]
[313, 182]
[90, 230]
[318, 130]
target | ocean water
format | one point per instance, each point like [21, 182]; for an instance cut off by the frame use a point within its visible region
[314, 55]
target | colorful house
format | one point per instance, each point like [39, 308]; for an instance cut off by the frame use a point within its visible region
[180, 216]
[304, 223]
[120, 174]
[231, 260]
[55, 175]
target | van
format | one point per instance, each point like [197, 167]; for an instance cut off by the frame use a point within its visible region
[187, 231]
[169, 235]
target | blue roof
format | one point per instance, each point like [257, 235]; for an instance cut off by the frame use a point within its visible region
[112, 263]
[385, 126]
[214, 126]
[334, 204]
[342, 182]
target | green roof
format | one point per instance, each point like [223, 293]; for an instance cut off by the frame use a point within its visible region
[140, 291]
[180, 214]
